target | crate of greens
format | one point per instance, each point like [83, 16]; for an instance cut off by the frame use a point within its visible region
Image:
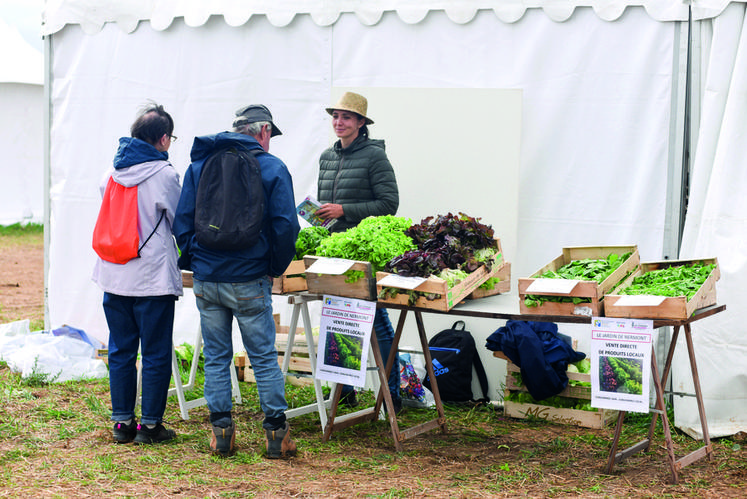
[293, 279]
[455, 254]
[498, 282]
[365, 248]
[572, 406]
[575, 282]
[670, 289]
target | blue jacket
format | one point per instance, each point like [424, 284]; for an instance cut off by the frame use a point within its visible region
[540, 353]
[277, 244]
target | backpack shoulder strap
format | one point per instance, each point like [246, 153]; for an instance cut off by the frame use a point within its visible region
[481, 376]
[163, 212]
[477, 364]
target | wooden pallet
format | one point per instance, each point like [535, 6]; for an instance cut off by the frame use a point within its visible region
[598, 418]
[299, 361]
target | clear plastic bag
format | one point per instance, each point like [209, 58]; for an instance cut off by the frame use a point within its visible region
[412, 371]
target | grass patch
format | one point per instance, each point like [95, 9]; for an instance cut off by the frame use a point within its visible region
[21, 234]
[19, 229]
[58, 435]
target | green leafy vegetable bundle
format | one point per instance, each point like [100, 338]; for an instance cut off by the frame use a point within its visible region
[309, 239]
[682, 280]
[375, 239]
[554, 401]
[586, 269]
[582, 366]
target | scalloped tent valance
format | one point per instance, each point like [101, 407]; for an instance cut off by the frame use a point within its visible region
[91, 15]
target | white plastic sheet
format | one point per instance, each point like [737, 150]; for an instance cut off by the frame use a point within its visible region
[57, 358]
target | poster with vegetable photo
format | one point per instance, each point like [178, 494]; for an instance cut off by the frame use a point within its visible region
[621, 363]
[620, 375]
[344, 338]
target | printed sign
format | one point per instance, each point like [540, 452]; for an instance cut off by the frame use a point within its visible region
[344, 339]
[330, 266]
[621, 363]
[398, 281]
[543, 285]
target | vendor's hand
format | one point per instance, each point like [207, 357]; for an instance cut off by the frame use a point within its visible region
[330, 210]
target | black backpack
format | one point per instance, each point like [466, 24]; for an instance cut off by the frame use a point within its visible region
[230, 200]
[454, 353]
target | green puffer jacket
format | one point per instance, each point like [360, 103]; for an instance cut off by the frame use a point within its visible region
[360, 178]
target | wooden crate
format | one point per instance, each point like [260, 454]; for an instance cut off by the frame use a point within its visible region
[293, 279]
[589, 290]
[363, 289]
[240, 361]
[187, 280]
[671, 307]
[447, 298]
[503, 272]
[299, 360]
[598, 418]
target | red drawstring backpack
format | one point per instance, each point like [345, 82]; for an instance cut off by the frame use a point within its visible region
[115, 236]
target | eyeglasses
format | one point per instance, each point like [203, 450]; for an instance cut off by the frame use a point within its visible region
[173, 138]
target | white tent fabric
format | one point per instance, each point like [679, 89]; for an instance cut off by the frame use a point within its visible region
[717, 225]
[566, 98]
[599, 100]
[19, 61]
[91, 15]
[21, 129]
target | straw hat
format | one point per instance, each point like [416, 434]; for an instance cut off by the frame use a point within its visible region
[353, 102]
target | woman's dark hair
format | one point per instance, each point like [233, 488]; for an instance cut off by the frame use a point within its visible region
[152, 123]
[364, 129]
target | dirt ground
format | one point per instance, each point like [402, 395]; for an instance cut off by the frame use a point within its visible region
[22, 282]
[436, 466]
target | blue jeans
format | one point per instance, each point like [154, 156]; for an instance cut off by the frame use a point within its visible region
[148, 323]
[251, 304]
[385, 336]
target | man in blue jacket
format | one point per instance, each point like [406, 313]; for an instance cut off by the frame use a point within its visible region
[238, 283]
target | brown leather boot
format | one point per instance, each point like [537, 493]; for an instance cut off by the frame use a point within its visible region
[279, 443]
[222, 441]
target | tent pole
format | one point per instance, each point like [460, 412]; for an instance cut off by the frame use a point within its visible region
[47, 124]
[686, 139]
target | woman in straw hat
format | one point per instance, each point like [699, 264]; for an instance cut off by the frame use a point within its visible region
[357, 181]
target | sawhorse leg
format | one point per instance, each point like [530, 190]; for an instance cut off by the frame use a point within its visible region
[385, 397]
[675, 465]
[300, 307]
[370, 414]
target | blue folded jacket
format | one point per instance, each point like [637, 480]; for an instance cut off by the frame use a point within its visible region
[540, 352]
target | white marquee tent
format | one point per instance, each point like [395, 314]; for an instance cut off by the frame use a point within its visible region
[602, 127]
[21, 129]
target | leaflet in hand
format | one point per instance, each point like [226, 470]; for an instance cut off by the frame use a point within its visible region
[307, 210]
